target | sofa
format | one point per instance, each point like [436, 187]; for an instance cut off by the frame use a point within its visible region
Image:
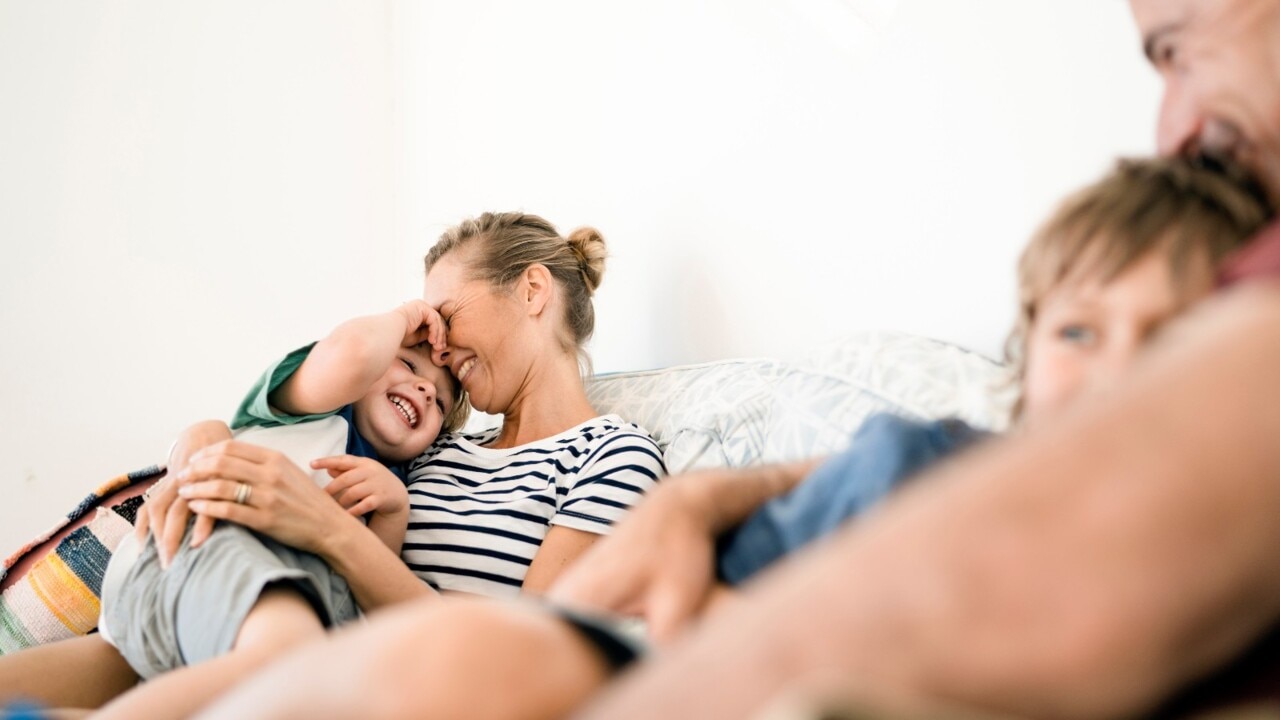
[729, 413]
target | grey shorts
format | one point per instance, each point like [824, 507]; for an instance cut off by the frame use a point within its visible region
[162, 620]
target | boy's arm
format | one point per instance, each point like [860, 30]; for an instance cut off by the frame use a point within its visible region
[365, 487]
[342, 367]
[390, 529]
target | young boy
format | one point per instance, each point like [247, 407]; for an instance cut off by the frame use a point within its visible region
[1114, 264]
[355, 409]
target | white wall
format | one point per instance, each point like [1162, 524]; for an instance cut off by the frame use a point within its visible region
[770, 174]
[189, 189]
[186, 191]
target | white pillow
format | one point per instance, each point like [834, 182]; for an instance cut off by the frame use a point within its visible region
[735, 413]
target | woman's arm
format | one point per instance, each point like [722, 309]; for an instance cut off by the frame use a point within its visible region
[561, 548]
[285, 504]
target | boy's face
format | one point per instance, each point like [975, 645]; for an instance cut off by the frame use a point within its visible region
[402, 413]
[1087, 333]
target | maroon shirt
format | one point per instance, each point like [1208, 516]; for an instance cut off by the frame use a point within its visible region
[1260, 258]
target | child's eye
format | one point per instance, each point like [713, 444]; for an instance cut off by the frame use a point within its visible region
[1077, 334]
[409, 364]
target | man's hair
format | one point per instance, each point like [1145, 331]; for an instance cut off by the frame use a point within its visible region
[1178, 206]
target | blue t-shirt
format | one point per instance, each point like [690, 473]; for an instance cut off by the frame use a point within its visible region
[885, 452]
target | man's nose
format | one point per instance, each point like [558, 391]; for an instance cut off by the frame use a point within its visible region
[1180, 123]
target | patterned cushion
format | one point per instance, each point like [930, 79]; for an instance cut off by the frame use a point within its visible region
[58, 597]
[743, 412]
[49, 588]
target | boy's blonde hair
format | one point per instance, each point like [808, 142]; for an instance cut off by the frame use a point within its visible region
[461, 409]
[1140, 206]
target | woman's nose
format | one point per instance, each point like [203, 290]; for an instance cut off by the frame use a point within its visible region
[440, 357]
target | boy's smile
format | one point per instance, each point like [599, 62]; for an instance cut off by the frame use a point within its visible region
[403, 411]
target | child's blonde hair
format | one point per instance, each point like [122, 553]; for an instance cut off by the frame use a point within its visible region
[1141, 205]
[461, 409]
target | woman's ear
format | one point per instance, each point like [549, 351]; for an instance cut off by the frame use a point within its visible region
[536, 289]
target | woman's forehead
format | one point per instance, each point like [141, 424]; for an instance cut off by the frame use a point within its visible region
[444, 281]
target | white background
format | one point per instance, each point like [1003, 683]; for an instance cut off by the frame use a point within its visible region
[187, 190]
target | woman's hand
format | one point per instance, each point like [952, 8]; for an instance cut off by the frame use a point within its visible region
[164, 513]
[262, 490]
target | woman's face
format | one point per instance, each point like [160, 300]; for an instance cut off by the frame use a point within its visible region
[490, 341]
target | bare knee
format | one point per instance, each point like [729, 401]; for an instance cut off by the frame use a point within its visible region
[281, 619]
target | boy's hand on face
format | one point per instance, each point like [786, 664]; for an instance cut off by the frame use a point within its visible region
[364, 485]
[422, 324]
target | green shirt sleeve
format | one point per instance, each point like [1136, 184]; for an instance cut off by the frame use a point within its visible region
[256, 411]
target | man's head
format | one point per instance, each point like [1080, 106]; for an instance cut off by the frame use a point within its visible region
[1112, 265]
[1220, 64]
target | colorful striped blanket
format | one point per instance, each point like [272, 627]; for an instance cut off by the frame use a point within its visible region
[56, 596]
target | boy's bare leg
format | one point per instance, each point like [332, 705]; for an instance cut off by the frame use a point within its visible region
[81, 672]
[280, 620]
[458, 659]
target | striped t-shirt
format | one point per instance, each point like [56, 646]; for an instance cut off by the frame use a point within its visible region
[478, 515]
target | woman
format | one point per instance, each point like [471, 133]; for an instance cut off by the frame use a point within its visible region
[495, 513]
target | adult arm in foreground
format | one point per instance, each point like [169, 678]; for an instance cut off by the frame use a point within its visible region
[1087, 568]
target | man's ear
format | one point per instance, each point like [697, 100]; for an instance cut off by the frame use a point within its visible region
[536, 289]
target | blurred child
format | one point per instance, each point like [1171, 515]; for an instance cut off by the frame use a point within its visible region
[1113, 265]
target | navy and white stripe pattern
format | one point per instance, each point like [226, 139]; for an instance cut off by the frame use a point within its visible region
[478, 515]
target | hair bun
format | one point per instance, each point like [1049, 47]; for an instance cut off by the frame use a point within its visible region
[588, 245]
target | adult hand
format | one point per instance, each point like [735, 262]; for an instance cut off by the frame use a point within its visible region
[658, 563]
[164, 513]
[262, 490]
